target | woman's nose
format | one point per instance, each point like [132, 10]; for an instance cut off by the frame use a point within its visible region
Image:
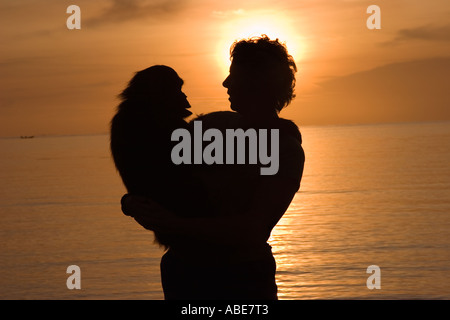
[226, 82]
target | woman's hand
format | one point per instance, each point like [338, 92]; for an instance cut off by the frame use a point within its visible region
[148, 213]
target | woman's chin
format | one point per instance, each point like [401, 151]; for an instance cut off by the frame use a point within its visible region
[186, 113]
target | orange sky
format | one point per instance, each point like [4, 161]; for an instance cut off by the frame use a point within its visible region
[60, 81]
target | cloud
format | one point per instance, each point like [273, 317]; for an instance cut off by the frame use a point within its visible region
[404, 91]
[227, 14]
[427, 32]
[128, 10]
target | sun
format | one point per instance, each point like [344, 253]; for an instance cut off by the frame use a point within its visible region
[243, 25]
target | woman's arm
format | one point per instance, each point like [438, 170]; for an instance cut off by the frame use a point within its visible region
[271, 201]
[272, 197]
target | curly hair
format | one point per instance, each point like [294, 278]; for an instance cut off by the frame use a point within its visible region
[272, 63]
[151, 83]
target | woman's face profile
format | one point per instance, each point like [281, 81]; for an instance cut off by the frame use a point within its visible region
[177, 101]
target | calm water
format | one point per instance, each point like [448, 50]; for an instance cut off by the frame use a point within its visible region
[370, 195]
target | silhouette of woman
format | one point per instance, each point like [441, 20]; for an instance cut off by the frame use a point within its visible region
[234, 260]
[153, 105]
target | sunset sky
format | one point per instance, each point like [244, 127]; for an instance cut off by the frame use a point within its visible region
[59, 81]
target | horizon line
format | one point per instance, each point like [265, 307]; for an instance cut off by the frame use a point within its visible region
[48, 135]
